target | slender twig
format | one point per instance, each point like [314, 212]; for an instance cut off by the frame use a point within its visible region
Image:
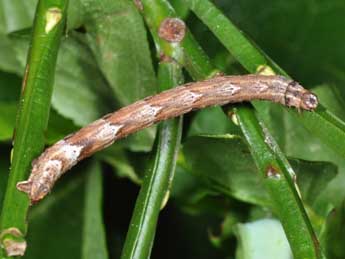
[155, 187]
[32, 119]
[276, 173]
[154, 191]
[94, 239]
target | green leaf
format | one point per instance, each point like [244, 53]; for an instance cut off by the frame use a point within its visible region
[59, 214]
[80, 91]
[9, 87]
[224, 163]
[17, 14]
[298, 43]
[116, 156]
[212, 121]
[181, 8]
[334, 233]
[4, 166]
[117, 37]
[331, 97]
[93, 239]
[76, 15]
[188, 189]
[8, 113]
[313, 178]
[262, 239]
[74, 207]
[8, 59]
[58, 127]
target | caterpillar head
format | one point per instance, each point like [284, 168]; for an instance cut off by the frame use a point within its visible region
[41, 181]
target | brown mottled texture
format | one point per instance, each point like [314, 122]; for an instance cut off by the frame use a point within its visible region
[171, 103]
[172, 30]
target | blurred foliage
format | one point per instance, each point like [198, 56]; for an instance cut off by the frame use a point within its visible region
[105, 62]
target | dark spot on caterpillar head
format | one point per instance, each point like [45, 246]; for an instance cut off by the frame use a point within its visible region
[309, 101]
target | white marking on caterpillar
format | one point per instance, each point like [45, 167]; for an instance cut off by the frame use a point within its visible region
[71, 152]
[168, 104]
[194, 96]
[108, 131]
[260, 87]
[230, 88]
[47, 169]
[151, 110]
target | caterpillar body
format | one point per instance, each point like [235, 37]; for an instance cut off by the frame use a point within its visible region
[63, 155]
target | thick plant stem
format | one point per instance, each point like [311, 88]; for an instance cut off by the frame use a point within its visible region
[278, 177]
[155, 187]
[32, 119]
[94, 238]
[308, 247]
[322, 123]
[154, 191]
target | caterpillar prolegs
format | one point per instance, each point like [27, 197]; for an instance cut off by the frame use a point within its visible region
[63, 155]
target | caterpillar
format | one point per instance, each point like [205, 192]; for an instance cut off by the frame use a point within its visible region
[64, 154]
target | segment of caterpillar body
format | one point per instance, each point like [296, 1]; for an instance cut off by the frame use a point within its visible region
[98, 135]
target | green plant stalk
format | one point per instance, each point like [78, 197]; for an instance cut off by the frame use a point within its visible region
[322, 123]
[94, 239]
[154, 191]
[155, 188]
[203, 62]
[33, 110]
[276, 174]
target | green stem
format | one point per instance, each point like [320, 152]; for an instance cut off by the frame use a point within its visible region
[202, 63]
[32, 117]
[322, 123]
[155, 188]
[276, 173]
[94, 239]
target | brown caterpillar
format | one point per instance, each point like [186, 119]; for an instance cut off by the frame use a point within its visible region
[60, 157]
